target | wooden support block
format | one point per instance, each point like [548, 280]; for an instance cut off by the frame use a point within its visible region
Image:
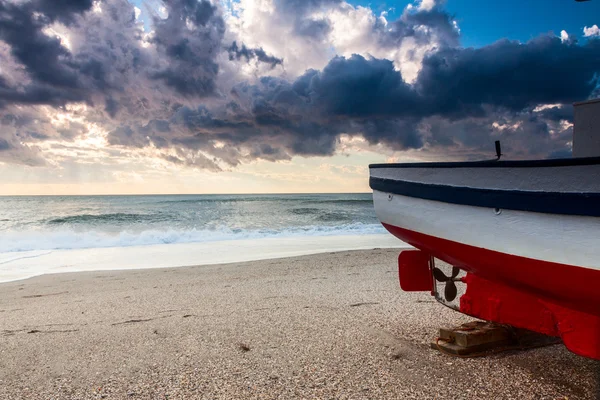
[452, 348]
[477, 337]
[483, 333]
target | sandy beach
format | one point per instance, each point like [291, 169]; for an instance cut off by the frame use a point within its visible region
[331, 326]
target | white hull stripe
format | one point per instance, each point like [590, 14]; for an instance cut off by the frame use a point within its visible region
[565, 239]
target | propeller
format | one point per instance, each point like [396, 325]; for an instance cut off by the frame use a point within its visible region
[450, 290]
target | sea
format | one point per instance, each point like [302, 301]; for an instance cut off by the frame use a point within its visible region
[44, 234]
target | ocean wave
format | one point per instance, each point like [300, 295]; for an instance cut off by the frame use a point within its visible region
[62, 239]
[333, 217]
[95, 218]
[341, 201]
[305, 211]
[229, 200]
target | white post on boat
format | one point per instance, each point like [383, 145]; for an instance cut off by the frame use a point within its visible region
[586, 130]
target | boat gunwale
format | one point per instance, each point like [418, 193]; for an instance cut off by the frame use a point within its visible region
[558, 162]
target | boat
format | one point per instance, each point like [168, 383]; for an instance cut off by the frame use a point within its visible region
[521, 238]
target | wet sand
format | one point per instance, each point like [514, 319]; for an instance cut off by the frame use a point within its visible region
[331, 326]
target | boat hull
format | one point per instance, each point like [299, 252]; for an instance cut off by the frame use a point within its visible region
[551, 255]
[529, 264]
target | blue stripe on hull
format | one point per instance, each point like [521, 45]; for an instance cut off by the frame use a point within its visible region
[583, 204]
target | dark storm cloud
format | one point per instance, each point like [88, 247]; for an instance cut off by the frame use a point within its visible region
[357, 87]
[34, 95]
[44, 58]
[456, 100]
[237, 53]
[187, 42]
[107, 65]
[111, 106]
[62, 10]
[58, 76]
[190, 37]
[456, 81]
[398, 134]
[161, 90]
[472, 87]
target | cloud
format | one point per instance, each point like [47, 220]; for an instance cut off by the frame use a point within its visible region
[307, 21]
[213, 88]
[189, 39]
[458, 97]
[259, 54]
[54, 76]
[426, 5]
[307, 34]
[62, 10]
[591, 31]
[509, 74]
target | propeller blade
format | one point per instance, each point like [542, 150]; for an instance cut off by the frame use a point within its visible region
[455, 272]
[439, 275]
[450, 291]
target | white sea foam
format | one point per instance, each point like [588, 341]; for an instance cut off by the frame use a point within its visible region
[21, 265]
[65, 238]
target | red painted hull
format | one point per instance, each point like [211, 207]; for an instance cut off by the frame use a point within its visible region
[551, 298]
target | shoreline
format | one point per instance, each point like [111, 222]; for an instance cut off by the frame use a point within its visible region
[330, 325]
[25, 265]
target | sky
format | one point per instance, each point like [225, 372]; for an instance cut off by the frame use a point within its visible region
[280, 96]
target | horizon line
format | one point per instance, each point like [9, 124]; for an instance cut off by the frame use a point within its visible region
[177, 194]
